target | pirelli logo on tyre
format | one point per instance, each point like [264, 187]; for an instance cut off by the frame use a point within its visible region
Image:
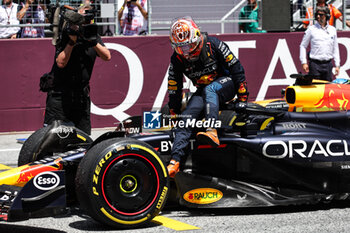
[203, 196]
[100, 165]
[98, 171]
[122, 181]
[162, 198]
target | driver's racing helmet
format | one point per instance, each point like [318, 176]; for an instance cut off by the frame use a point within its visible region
[186, 38]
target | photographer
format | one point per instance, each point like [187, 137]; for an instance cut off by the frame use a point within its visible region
[68, 98]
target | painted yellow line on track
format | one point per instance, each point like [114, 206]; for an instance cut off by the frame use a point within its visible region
[173, 224]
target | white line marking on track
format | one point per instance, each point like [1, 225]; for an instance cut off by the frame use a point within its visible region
[6, 150]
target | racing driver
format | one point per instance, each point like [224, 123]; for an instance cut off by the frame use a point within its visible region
[213, 69]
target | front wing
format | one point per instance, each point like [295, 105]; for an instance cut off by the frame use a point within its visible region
[44, 195]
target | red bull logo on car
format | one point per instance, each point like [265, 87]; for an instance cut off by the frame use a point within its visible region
[318, 98]
[203, 196]
[335, 97]
[30, 171]
[21, 175]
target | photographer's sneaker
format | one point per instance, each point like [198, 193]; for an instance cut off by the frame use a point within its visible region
[209, 137]
[173, 168]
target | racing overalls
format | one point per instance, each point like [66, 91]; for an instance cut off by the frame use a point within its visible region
[218, 76]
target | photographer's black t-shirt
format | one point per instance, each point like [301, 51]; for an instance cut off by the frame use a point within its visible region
[76, 74]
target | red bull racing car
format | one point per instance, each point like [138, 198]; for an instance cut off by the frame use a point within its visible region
[268, 156]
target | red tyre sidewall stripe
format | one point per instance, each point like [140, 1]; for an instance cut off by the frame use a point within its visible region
[102, 186]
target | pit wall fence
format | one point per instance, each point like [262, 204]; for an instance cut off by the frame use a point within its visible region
[135, 79]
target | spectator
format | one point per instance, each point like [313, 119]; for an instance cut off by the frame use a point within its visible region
[68, 98]
[250, 11]
[31, 13]
[86, 2]
[8, 15]
[334, 14]
[300, 6]
[133, 17]
[324, 47]
[214, 70]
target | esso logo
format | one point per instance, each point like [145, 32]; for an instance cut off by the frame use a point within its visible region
[46, 181]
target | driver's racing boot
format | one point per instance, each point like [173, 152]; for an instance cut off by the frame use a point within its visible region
[173, 168]
[209, 137]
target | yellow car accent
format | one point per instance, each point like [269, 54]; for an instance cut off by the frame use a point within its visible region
[266, 122]
[122, 221]
[81, 137]
[232, 120]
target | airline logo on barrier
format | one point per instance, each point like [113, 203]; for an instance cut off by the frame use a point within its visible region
[299, 148]
[203, 196]
[282, 55]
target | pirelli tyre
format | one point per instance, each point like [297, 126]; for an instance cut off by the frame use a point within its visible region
[227, 117]
[27, 153]
[122, 183]
[43, 143]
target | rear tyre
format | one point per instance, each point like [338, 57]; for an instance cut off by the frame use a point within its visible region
[122, 183]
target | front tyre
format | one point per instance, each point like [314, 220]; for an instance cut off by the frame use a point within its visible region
[122, 183]
[50, 139]
[30, 147]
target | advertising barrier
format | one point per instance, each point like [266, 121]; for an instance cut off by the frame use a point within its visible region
[135, 80]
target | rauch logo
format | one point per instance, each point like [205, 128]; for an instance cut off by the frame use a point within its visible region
[203, 196]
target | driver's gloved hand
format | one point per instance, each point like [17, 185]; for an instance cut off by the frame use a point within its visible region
[172, 113]
[242, 98]
[242, 92]
[241, 117]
